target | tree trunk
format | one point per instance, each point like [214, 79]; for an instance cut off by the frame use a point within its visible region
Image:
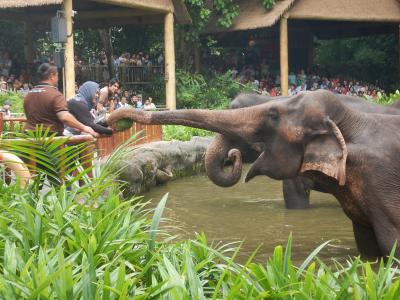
[105, 36]
[196, 54]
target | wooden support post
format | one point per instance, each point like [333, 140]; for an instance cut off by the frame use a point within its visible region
[398, 50]
[28, 42]
[69, 74]
[1, 123]
[310, 51]
[170, 88]
[284, 56]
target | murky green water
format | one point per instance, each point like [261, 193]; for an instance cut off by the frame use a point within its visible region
[254, 212]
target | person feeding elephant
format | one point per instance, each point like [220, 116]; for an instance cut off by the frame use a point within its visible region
[81, 105]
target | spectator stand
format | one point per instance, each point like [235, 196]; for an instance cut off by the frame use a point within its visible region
[36, 15]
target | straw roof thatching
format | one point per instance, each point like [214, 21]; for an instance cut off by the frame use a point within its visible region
[26, 3]
[347, 10]
[253, 15]
[15, 9]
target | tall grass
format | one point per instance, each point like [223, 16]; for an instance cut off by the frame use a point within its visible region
[86, 242]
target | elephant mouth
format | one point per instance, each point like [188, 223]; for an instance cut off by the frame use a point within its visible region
[255, 169]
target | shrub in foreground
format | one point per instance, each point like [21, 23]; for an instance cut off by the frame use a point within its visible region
[85, 242]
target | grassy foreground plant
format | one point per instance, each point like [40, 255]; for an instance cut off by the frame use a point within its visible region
[88, 243]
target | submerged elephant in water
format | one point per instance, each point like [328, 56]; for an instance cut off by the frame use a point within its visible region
[296, 191]
[352, 155]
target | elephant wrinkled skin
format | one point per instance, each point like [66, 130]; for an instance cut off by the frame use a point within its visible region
[296, 191]
[352, 155]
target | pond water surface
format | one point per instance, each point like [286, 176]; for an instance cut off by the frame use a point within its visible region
[254, 212]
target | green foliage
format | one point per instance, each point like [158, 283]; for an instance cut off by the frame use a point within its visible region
[85, 242]
[209, 91]
[268, 4]
[201, 13]
[388, 99]
[16, 99]
[47, 153]
[369, 59]
[182, 133]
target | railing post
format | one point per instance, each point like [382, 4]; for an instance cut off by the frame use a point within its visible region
[1, 122]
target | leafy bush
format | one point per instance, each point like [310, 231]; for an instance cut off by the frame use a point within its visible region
[369, 59]
[182, 133]
[207, 91]
[86, 242]
[16, 99]
[388, 99]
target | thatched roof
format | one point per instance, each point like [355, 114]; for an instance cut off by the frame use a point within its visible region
[139, 11]
[253, 15]
[26, 3]
[347, 10]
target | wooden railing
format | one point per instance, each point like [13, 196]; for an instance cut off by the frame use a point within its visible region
[103, 144]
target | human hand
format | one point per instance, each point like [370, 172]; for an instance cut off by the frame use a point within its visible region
[89, 130]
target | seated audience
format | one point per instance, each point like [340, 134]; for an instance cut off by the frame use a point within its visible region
[149, 105]
[81, 105]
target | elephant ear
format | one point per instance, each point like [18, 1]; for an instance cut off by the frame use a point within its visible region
[327, 153]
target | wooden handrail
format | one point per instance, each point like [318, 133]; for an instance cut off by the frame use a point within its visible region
[104, 144]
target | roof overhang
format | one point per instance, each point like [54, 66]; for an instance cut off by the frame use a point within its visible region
[253, 15]
[97, 12]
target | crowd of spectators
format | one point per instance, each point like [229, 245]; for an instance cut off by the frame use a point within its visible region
[140, 59]
[268, 84]
[9, 79]
[112, 97]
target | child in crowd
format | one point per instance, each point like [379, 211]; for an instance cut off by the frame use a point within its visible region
[149, 105]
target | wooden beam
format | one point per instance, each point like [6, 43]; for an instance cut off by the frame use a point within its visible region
[81, 15]
[170, 88]
[398, 50]
[69, 74]
[370, 18]
[104, 23]
[284, 56]
[115, 13]
[156, 5]
[20, 17]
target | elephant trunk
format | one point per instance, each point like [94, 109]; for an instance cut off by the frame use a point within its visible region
[231, 123]
[220, 150]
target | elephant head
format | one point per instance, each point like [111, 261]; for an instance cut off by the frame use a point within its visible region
[294, 135]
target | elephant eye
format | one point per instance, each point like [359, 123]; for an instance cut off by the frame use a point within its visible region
[273, 115]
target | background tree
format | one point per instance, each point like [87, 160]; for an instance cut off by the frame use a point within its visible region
[372, 59]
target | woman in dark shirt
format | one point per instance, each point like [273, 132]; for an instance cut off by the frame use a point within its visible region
[81, 105]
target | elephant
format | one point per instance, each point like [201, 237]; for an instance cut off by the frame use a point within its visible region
[296, 191]
[353, 155]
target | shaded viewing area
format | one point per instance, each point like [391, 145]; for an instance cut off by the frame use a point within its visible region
[285, 35]
[36, 15]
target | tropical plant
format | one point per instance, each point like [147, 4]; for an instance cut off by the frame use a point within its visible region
[87, 242]
[215, 92]
[388, 99]
[369, 59]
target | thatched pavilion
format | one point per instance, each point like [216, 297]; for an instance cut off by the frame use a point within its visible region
[100, 13]
[296, 22]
